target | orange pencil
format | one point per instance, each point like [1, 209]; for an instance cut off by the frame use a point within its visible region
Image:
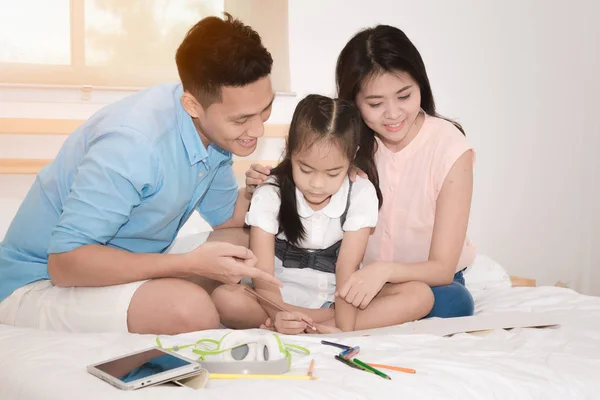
[310, 368]
[391, 367]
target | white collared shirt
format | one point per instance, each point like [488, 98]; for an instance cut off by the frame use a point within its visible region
[307, 287]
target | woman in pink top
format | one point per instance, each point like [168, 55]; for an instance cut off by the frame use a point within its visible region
[425, 168]
[425, 172]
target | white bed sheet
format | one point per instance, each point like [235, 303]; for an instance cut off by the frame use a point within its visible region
[553, 363]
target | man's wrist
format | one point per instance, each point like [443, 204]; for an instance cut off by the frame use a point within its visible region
[190, 264]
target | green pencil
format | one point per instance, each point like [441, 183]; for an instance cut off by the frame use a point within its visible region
[369, 368]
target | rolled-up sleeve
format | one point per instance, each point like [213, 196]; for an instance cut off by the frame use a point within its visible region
[118, 169]
[219, 201]
[264, 209]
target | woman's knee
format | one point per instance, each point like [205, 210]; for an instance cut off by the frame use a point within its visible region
[423, 296]
[171, 306]
[416, 297]
[451, 301]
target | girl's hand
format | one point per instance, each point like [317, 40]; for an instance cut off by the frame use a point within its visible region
[256, 175]
[363, 285]
[323, 329]
[268, 325]
[288, 323]
[353, 172]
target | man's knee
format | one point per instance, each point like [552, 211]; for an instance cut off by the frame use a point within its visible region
[171, 306]
[229, 298]
[196, 312]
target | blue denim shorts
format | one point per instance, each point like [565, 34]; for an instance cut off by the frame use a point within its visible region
[328, 304]
[453, 300]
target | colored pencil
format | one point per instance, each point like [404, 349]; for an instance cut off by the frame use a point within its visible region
[348, 353]
[310, 368]
[393, 368]
[369, 368]
[259, 376]
[349, 363]
[341, 346]
[275, 305]
[353, 353]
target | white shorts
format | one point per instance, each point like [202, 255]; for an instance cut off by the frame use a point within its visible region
[41, 305]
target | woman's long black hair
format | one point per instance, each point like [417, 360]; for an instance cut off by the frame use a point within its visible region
[376, 50]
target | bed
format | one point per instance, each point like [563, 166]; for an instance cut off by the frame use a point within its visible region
[523, 363]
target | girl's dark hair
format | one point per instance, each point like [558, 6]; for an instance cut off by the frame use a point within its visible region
[376, 50]
[319, 119]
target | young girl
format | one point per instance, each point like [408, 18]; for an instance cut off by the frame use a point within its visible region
[310, 226]
[425, 168]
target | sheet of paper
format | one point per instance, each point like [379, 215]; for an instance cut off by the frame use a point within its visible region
[450, 326]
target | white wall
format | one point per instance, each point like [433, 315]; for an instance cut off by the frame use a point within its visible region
[519, 75]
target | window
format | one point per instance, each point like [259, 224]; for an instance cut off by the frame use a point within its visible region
[120, 43]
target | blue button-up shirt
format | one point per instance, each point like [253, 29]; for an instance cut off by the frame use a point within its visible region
[128, 178]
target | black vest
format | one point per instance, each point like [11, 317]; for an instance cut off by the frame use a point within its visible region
[321, 260]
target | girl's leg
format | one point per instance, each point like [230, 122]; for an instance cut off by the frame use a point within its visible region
[452, 300]
[237, 308]
[395, 304]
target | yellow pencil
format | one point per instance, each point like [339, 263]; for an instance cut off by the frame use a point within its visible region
[259, 376]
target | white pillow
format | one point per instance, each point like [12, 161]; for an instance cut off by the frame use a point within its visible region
[485, 273]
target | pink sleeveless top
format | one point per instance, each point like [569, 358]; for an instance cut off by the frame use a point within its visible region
[410, 181]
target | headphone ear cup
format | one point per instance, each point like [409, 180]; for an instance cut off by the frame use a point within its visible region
[239, 346]
[268, 348]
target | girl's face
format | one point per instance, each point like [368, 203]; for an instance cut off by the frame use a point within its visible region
[319, 172]
[389, 103]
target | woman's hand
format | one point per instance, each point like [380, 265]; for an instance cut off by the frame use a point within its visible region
[363, 285]
[256, 175]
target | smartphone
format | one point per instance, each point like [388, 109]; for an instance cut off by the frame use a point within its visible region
[144, 368]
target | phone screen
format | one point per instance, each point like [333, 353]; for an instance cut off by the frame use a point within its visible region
[141, 365]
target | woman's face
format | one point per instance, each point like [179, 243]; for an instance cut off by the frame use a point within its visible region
[389, 104]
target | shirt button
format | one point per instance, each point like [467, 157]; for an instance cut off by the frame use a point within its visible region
[201, 174]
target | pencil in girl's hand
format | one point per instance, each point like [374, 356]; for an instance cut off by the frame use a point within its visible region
[275, 305]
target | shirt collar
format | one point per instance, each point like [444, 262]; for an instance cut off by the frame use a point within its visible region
[191, 139]
[334, 209]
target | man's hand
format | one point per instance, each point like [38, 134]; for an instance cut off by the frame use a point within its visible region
[255, 176]
[225, 262]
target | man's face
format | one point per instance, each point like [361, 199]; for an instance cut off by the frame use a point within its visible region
[237, 121]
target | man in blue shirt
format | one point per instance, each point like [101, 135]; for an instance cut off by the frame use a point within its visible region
[86, 250]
